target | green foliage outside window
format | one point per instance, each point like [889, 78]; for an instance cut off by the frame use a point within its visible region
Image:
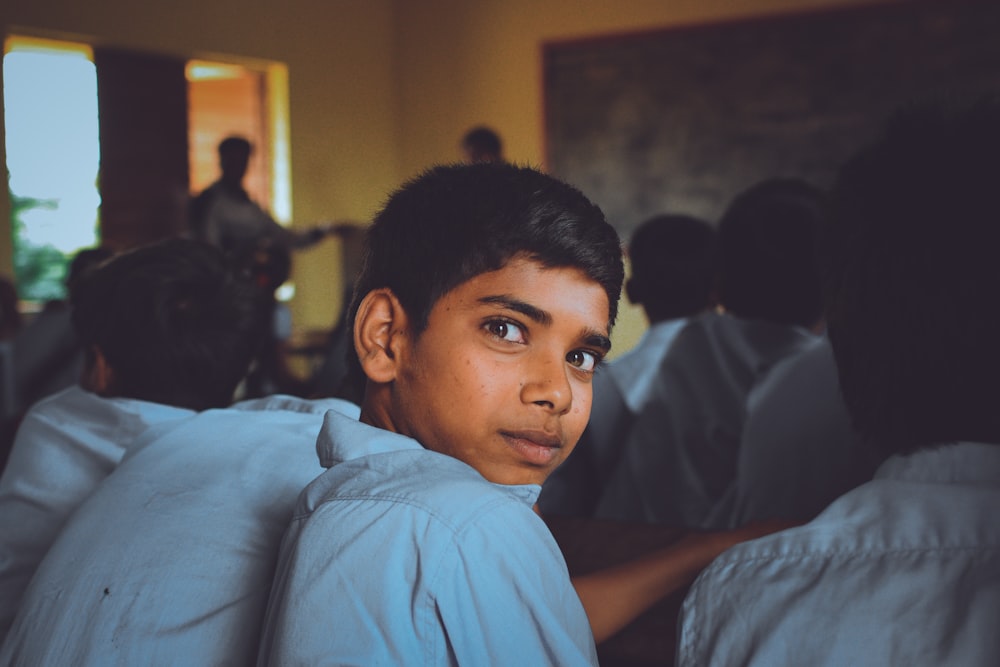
[39, 270]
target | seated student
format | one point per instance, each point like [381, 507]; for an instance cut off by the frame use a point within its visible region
[903, 570]
[799, 451]
[680, 455]
[168, 331]
[224, 214]
[170, 560]
[483, 307]
[674, 277]
[48, 355]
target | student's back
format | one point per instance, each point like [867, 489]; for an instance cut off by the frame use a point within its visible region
[167, 329]
[798, 451]
[65, 446]
[680, 455]
[905, 569]
[170, 560]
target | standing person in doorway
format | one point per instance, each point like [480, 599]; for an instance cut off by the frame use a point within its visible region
[224, 214]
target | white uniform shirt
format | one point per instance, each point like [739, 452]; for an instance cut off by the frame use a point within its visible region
[903, 570]
[65, 446]
[681, 452]
[170, 561]
[798, 452]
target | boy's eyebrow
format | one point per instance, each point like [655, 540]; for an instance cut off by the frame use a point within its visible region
[598, 340]
[590, 337]
[518, 306]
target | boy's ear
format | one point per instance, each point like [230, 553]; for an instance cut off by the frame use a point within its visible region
[377, 327]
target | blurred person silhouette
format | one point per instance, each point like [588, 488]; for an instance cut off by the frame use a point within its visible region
[167, 329]
[46, 355]
[10, 315]
[11, 323]
[482, 144]
[339, 374]
[674, 277]
[224, 214]
[799, 450]
[49, 354]
[170, 560]
[680, 456]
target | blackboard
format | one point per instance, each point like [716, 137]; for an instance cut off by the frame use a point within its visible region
[682, 120]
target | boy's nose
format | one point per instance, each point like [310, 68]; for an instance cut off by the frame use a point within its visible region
[548, 385]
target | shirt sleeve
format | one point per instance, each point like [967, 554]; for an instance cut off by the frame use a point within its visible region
[503, 591]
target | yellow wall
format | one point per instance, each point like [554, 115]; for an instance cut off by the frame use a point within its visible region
[379, 88]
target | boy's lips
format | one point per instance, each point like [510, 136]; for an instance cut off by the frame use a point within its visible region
[536, 447]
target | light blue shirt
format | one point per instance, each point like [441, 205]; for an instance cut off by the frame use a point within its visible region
[680, 455]
[398, 555]
[170, 560]
[903, 570]
[65, 446]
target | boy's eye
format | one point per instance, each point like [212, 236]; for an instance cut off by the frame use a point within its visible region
[585, 361]
[506, 330]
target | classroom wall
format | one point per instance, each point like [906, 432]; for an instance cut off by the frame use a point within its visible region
[379, 88]
[462, 63]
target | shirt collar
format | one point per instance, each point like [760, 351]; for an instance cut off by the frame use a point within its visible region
[963, 462]
[344, 438]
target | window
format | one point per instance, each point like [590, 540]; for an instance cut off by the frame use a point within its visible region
[53, 156]
[54, 147]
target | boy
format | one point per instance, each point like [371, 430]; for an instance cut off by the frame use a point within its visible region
[905, 569]
[484, 305]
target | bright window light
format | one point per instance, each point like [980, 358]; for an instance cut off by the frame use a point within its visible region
[53, 157]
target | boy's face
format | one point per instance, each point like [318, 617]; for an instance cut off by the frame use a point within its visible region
[501, 376]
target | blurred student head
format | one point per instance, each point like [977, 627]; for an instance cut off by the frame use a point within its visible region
[674, 267]
[234, 156]
[482, 144]
[912, 278]
[168, 323]
[768, 240]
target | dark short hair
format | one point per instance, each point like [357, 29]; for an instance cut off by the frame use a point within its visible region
[483, 141]
[176, 325]
[768, 241]
[912, 278]
[674, 267]
[83, 262]
[454, 222]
